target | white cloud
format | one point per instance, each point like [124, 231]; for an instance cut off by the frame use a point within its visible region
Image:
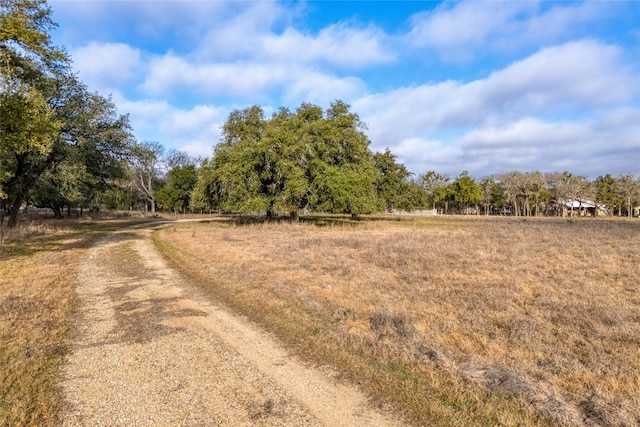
[201, 119]
[416, 153]
[509, 120]
[462, 31]
[201, 148]
[239, 33]
[582, 73]
[322, 89]
[103, 66]
[524, 134]
[575, 76]
[559, 21]
[171, 73]
[253, 32]
[145, 115]
[253, 81]
[550, 146]
[465, 23]
[583, 147]
[195, 130]
[337, 44]
[405, 112]
[148, 21]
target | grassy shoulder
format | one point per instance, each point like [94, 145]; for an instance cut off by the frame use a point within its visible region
[483, 321]
[37, 305]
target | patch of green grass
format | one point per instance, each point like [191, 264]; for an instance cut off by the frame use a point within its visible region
[173, 252]
[398, 370]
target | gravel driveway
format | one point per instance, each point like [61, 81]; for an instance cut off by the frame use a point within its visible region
[148, 350]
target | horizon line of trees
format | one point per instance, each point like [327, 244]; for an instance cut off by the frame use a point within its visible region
[62, 146]
[535, 194]
[311, 160]
[316, 161]
[217, 185]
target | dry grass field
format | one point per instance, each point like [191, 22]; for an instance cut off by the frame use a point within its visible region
[36, 304]
[455, 321]
[37, 301]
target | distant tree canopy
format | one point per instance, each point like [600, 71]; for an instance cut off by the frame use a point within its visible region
[534, 194]
[395, 188]
[319, 161]
[465, 192]
[175, 195]
[59, 143]
[308, 160]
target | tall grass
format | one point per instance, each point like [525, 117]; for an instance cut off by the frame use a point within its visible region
[456, 321]
[37, 304]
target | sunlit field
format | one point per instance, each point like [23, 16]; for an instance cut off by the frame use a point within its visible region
[454, 321]
[37, 307]
[37, 301]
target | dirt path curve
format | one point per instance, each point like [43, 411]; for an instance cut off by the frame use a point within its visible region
[150, 351]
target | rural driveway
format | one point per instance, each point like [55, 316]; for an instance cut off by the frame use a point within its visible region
[148, 350]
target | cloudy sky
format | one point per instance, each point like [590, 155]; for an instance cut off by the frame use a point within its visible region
[482, 86]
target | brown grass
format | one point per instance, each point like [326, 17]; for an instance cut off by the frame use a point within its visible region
[484, 321]
[37, 302]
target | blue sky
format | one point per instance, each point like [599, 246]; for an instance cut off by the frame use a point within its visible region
[482, 86]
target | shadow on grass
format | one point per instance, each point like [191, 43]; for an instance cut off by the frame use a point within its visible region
[66, 237]
[319, 220]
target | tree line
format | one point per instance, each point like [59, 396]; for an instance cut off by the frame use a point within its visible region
[59, 142]
[535, 194]
[310, 160]
[63, 146]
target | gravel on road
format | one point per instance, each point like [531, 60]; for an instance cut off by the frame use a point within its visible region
[149, 350]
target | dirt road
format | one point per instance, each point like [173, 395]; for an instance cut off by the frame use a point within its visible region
[149, 350]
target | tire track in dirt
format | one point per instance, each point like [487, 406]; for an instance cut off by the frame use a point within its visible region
[148, 350]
